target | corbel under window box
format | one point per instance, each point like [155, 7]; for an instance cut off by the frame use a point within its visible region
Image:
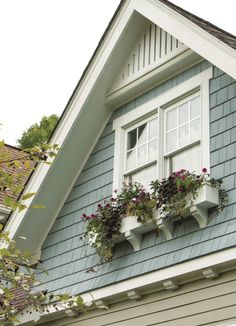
[208, 197]
[132, 230]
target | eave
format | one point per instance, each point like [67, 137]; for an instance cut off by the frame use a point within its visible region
[168, 279]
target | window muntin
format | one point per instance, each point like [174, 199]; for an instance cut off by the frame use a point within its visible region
[196, 85]
[182, 124]
[141, 144]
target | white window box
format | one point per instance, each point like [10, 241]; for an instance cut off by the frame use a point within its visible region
[132, 230]
[208, 197]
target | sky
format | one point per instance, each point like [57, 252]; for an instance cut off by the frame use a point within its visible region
[46, 45]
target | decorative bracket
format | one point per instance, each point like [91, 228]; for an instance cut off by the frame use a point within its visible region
[134, 295]
[135, 239]
[166, 226]
[170, 285]
[210, 273]
[101, 304]
[200, 214]
[71, 312]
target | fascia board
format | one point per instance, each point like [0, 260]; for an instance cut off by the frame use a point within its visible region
[73, 111]
[200, 41]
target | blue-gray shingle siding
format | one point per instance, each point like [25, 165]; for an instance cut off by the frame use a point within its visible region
[65, 256]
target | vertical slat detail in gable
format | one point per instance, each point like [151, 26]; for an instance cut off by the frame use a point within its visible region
[153, 48]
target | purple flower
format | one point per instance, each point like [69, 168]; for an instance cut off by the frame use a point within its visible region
[204, 170]
[180, 189]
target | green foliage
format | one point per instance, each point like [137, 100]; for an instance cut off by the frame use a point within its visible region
[103, 226]
[173, 197]
[16, 271]
[38, 133]
[175, 194]
[15, 169]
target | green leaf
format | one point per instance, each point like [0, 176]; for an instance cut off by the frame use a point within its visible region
[27, 196]
[38, 206]
[79, 301]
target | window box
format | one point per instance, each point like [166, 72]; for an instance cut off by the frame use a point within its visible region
[208, 197]
[132, 230]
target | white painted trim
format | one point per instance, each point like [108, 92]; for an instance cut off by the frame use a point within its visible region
[190, 34]
[153, 78]
[128, 76]
[73, 111]
[150, 280]
[200, 81]
[147, 280]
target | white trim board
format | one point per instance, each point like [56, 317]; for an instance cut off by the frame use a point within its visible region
[190, 34]
[225, 259]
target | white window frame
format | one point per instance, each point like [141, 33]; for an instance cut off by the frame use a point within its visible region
[127, 130]
[196, 84]
[191, 144]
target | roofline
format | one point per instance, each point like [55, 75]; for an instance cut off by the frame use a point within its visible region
[87, 67]
[171, 5]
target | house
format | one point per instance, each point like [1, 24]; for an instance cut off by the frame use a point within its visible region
[161, 69]
[7, 153]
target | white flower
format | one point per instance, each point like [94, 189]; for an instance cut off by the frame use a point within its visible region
[92, 236]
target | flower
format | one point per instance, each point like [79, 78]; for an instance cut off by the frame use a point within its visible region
[204, 170]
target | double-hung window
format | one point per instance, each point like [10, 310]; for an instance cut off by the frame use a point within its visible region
[141, 151]
[166, 134]
[182, 143]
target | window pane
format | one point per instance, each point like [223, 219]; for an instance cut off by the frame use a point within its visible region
[171, 119]
[190, 159]
[142, 134]
[195, 129]
[132, 139]
[183, 113]
[142, 154]
[152, 150]
[144, 176]
[184, 135]
[131, 159]
[171, 140]
[195, 107]
[152, 132]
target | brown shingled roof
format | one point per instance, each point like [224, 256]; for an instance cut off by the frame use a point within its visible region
[217, 32]
[12, 153]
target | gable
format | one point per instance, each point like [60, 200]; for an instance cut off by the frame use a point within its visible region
[153, 47]
[88, 109]
[67, 257]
